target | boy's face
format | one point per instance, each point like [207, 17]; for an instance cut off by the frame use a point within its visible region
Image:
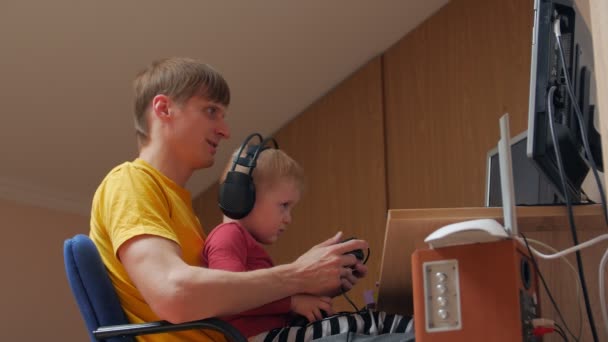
[272, 211]
[197, 127]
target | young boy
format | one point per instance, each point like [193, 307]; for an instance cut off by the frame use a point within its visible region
[147, 233]
[237, 245]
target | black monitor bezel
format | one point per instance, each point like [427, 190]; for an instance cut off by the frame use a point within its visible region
[540, 147]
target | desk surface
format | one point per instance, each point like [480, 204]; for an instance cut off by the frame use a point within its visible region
[406, 230]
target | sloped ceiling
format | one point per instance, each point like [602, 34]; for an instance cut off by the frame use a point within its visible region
[66, 69]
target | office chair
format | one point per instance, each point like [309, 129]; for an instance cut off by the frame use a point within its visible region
[99, 305]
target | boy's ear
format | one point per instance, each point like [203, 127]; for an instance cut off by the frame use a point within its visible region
[160, 106]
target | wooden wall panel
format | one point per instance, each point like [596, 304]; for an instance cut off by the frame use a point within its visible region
[205, 206]
[446, 85]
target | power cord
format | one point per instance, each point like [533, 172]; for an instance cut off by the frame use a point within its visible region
[591, 161]
[549, 294]
[578, 282]
[560, 167]
[573, 249]
[543, 326]
[561, 332]
[579, 116]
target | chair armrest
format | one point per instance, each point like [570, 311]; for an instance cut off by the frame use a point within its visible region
[231, 333]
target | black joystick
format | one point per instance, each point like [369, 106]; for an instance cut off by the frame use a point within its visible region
[357, 252]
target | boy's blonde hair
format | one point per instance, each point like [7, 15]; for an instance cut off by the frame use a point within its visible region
[180, 79]
[273, 165]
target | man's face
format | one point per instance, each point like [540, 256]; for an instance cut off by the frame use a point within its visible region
[198, 125]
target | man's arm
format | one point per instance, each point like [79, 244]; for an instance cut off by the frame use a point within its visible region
[178, 292]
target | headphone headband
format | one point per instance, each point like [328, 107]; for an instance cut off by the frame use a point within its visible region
[237, 192]
[251, 154]
[237, 157]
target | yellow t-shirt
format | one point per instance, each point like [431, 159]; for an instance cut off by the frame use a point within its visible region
[136, 199]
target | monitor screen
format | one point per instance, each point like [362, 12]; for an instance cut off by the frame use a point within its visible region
[530, 187]
[548, 77]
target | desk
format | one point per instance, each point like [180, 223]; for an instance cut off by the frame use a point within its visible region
[407, 228]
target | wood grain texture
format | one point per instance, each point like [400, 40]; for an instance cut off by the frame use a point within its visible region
[446, 85]
[206, 208]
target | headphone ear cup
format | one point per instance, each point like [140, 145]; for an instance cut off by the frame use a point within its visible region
[237, 195]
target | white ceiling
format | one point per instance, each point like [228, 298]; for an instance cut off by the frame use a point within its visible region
[66, 69]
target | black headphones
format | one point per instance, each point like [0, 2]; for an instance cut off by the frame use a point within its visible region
[237, 192]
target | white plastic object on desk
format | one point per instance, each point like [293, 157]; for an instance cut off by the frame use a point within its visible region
[462, 233]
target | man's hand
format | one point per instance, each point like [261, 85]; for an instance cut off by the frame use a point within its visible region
[310, 306]
[326, 270]
[357, 272]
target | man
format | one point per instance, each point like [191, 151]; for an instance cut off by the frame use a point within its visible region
[148, 235]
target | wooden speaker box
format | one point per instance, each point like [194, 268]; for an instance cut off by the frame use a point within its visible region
[475, 292]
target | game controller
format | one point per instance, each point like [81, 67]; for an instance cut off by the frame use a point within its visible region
[358, 253]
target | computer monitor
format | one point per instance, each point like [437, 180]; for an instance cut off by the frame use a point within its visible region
[547, 72]
[531, 188]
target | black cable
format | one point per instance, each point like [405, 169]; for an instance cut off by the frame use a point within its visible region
[344, 292]
[367, 256]
[549, 294]
[560, 332]
[351, 302]
[560, 166]
[589, 200]
[579, 117]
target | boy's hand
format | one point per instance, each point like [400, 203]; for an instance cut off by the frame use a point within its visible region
[310, 306]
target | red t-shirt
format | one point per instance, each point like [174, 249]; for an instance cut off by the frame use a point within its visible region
[231, 247]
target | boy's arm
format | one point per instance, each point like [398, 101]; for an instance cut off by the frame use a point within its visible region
[178, 292]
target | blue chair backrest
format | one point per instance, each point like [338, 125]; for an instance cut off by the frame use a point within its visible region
[91, 286]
